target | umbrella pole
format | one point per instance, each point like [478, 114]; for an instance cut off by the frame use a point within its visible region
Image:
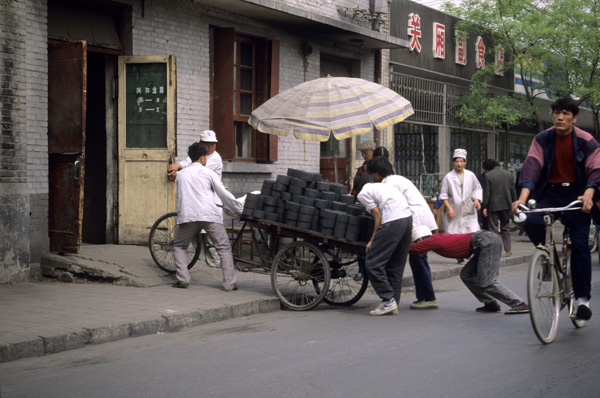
[335, 164]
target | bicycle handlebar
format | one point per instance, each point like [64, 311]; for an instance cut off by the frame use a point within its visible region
[570, 206]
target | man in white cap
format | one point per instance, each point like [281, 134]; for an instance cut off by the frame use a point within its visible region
[462, 194]
[366, 149]
[214, 162]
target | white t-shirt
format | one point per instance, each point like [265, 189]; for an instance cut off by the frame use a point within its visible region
[196, 187]
[390, 201]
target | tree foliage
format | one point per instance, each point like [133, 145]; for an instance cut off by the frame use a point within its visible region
[554, 47]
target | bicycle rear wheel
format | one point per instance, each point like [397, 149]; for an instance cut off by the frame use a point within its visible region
[544, 296]
[160, 243]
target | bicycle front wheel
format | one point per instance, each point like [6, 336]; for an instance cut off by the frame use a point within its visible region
[544, 296]
[160, 243]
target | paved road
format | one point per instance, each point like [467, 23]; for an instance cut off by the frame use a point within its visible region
[333, 352]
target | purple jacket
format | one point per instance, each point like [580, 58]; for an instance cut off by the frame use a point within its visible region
[539, 161]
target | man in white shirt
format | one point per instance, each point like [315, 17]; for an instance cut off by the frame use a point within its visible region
[423, 225]
[388, 248]
[208, 138]
[196, 187]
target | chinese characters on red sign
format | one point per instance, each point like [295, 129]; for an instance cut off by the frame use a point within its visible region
[460, 54]
[439, 44]
[414, 30]
[480, 52]
[499, 61]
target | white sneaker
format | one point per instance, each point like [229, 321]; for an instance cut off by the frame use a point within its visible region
[385, 307]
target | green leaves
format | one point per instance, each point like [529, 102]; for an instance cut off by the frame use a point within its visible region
[553, 46]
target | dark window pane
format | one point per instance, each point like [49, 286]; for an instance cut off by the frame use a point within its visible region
[246, 80]
[245, 104]
[246, 55]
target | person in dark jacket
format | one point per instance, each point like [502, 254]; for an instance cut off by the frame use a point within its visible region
[562, 165]
[498, 195]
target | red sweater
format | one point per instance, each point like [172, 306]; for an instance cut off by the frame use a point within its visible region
[446, 245]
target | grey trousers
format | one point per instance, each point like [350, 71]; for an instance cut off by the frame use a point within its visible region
[502, 216]
[218, 235]
[386, 258]
[481, 271]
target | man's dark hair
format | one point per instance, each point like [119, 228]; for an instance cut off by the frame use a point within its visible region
[566, 103]
[381, 166]
[489, 164]
[196, 151]
[381, 151]
[360, 180]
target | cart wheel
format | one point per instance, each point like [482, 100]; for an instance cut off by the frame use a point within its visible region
[348, 279]
[160, 243]
[296, 270]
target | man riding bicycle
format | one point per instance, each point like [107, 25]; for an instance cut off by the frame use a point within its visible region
[563, 164]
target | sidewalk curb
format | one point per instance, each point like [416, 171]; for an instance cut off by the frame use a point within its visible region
[165, 323]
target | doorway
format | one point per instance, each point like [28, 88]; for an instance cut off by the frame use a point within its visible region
[95, 186]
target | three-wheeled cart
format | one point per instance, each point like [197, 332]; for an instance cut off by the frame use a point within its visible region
[306, 267]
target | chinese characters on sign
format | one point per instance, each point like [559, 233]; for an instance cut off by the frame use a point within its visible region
[414, 30]
[461, 48]
[439, 44]
[150, 98]
[480, 52]
[146, 105]
[499, 61]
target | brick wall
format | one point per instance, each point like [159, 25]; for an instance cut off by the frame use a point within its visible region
[37, 124]
[14, 195]
[184, 33]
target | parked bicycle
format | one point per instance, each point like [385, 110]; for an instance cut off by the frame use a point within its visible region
[162, 238]
[549, 284]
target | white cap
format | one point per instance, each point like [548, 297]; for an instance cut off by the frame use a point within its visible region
[419, 232]
[460, 153]
[208, 136]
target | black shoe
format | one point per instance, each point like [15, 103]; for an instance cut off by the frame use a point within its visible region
[181, 285]
[461, 261]
[584, 313]
[489, 307]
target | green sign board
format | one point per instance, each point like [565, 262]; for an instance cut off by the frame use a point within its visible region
[146, 105]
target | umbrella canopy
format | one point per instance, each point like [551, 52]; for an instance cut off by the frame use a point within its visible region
[343, 106]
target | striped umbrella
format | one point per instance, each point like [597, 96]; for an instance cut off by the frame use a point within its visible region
[343, 106]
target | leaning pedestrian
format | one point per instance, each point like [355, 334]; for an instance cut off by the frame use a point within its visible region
[423, 224]
[387, 249]
[196, 186]
[480, 274]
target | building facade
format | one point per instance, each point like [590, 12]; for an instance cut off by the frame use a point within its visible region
[98, 97]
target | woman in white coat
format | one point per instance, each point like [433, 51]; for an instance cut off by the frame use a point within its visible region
[462, 195]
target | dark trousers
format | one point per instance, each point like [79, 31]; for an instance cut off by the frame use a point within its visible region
[422, 276]
[386, 258]
[502, 216]
[579, 228]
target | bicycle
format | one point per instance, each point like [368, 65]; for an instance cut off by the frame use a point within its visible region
[162, 238]
[549, 284]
